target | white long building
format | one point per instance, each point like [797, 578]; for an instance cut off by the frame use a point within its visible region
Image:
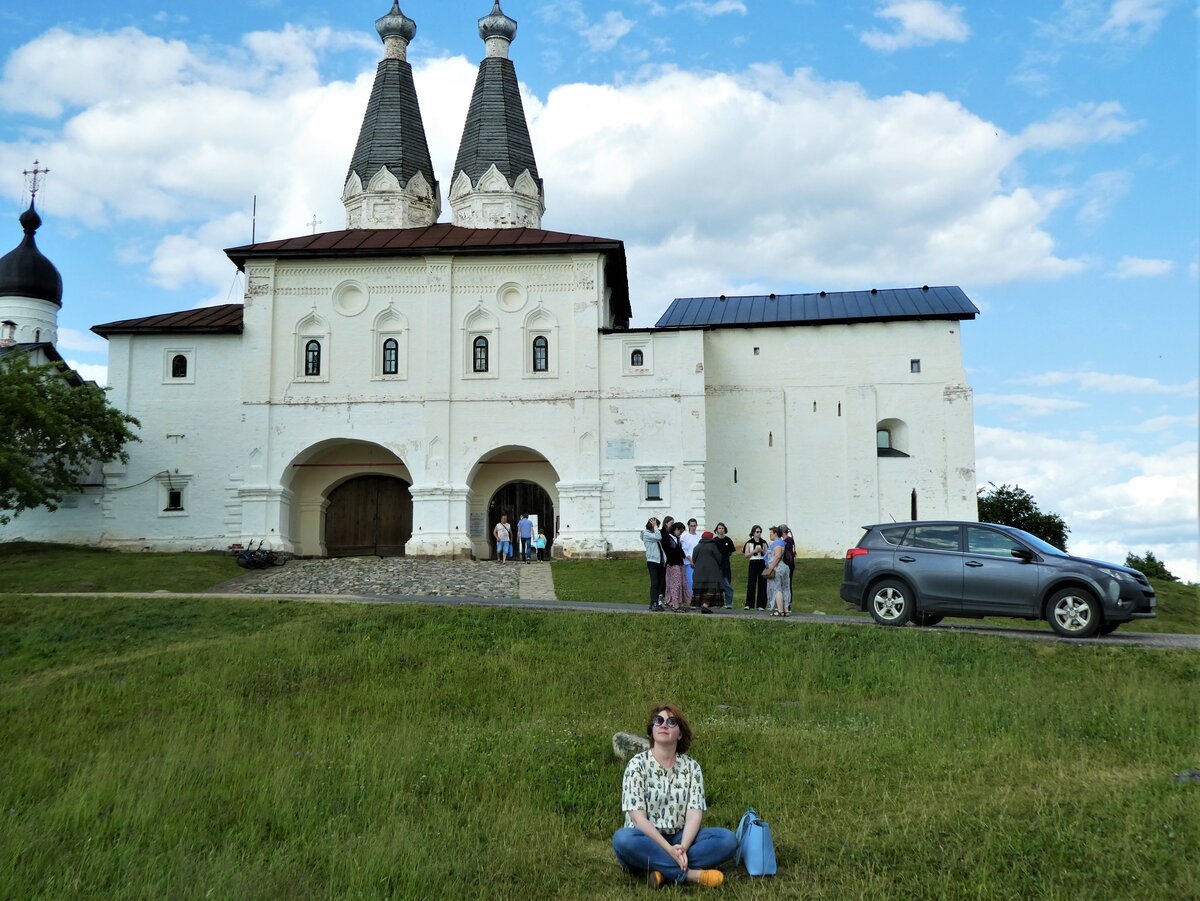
[394, 386]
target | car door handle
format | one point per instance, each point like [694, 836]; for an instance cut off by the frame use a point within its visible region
[975, 563]
[907, 559]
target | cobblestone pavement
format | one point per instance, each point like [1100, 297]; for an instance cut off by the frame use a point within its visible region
[386, 576]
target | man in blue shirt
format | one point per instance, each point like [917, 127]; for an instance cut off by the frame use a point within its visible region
[525, 533]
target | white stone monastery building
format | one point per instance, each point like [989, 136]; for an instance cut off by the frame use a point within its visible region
[394, 386]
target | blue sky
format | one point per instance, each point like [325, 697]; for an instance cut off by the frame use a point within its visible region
[1042, 155]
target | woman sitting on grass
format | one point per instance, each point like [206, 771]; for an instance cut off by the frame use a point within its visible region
[662, 795]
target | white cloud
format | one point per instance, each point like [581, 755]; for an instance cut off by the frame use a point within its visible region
[1111, 495]
[1111, 383]
[1164, 424]
[1029, 404]
[606, 34]
[921, 22]
[1135, 20]
[715, 7]
[1138, 267]
[661, 162]
[1120, 22]
[837, 203]
[82, 342]
[1100, 194]
[1079, 126]
[91, 372]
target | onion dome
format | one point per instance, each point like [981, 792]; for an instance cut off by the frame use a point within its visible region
[395, 24]
[497, 25]
[24, 272]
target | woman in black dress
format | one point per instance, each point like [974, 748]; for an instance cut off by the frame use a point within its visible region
[756, 585]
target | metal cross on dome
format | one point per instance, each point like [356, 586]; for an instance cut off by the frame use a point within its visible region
[314, 223]
[33, 178]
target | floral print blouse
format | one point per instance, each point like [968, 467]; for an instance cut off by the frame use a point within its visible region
[665, 795]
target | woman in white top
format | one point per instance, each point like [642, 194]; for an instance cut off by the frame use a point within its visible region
[662, 795]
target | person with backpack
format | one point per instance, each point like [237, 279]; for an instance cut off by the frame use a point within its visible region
[777, 573]
[789, 557]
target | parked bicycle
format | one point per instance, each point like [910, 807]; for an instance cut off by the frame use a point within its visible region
[251, 557]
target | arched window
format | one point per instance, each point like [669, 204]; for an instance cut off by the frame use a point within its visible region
[541, 354]
[179, 366]
[312, 358]
[883, 439]
[637, 358]
[391, 356]
[481, 354]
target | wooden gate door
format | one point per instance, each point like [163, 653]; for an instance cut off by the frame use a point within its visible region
[369, 516]
[516, 498]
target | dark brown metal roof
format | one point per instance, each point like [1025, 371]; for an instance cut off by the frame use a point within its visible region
[223, 319]
[440, 238]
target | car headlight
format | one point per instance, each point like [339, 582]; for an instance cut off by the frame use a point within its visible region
[1118, 575]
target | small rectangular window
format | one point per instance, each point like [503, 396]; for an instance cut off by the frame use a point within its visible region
[174, 500]
[914, 365]
[653, 491]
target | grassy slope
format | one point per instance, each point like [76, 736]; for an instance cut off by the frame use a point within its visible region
[34, 567]
[263, 749]
[816, 589]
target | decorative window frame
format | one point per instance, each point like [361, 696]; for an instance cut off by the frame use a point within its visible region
[313, 328]
[168, 482]
[646, 346]
[659, 474]
[169, 355]
[481, 324]
[540, 323]
[389, 325]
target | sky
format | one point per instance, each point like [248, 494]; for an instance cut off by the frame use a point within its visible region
[1040, 154]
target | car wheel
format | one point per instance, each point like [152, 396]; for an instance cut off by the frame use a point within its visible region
[891, 603]
[922, 618]
[1074, 613]
[1108, 628]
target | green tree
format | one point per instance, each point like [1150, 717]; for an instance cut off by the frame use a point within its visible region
[1150, 566]
[1012, 505]
[51, 433]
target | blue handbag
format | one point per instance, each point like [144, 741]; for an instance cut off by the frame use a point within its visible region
[754, 845]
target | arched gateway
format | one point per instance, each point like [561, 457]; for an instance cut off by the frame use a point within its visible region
[520, 497]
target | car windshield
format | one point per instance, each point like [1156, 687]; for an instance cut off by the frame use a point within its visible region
[1040, 546]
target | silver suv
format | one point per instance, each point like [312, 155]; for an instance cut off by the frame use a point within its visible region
[923, 571]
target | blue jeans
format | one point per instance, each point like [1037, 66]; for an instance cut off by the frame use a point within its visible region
[728, 591]
[687, 568]
[526, 543]
[639, 853]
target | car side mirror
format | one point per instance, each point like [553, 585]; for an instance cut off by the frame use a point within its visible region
[1022, 554]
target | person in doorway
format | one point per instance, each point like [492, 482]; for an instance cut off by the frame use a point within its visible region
[503, 536]
[708, 589]
[756, 586]
[540, 544]
[525, 534]
[662, 796]
[689, 540]
[655, 563]
[725, 544]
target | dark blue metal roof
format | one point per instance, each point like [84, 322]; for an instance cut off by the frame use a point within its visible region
[886, 305]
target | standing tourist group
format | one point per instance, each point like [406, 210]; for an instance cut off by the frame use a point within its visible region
[692, 568]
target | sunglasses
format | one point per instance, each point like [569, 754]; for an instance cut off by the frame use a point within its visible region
[660, 720]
